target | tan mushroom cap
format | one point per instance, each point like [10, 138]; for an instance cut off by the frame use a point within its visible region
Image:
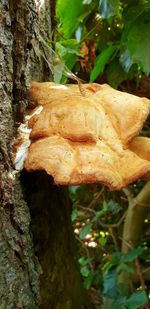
[88, 135]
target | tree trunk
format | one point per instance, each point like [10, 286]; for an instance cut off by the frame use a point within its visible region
[24, 58]
[133, 227]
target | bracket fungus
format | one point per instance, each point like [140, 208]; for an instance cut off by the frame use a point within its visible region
[87, 135]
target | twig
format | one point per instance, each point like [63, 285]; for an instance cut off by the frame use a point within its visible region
[136, 203]
[140, 204]
[114, 224]
[96, 198]
[139, 274]
[128, 194]
[87, 209]
[146, 270]
[112, 234]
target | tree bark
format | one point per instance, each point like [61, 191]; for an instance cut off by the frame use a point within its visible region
[134, 221]
[133, 227]
[24, 58]
[54, 242]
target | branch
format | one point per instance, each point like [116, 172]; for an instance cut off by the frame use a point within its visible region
[96, 198]
[128, 194]
[114, 224]
[143, 198]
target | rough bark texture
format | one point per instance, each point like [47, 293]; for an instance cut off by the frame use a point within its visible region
[19, 269]
[23, 57]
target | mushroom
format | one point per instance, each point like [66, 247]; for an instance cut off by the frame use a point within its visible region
[88, 134]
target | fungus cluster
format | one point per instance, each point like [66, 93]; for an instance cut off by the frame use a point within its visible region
[86, 134]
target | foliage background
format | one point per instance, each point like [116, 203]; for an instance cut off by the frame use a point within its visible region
[107, 41]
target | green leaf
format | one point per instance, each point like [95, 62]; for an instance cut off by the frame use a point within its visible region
[113, 207]
[110, 284]
[60, 50]
[133, 12]
[85, 230]
[107, 267]
[115, 74]
[84, 271]
[101, 61]
[126, 268]
[68, 14]
[115, 305]
[102, 241]
[116, 258]
[68, 51]
[87, 1]
[69, 46]
[98, 215]
[109, 8]
[88, 281]
[74, 214]
[137, 300]
[133, 254]
[139, 45]
[84, 261]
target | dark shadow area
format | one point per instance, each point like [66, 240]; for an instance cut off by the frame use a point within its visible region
[54, 241]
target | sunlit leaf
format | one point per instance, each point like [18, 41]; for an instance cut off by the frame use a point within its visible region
[87, 1]
[85, 230]
[102, 233]
[68, 13]
[136, 300]
[101, 61]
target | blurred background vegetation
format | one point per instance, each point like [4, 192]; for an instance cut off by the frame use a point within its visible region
[108, 41]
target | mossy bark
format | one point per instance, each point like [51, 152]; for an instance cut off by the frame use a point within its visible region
[48, 266]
